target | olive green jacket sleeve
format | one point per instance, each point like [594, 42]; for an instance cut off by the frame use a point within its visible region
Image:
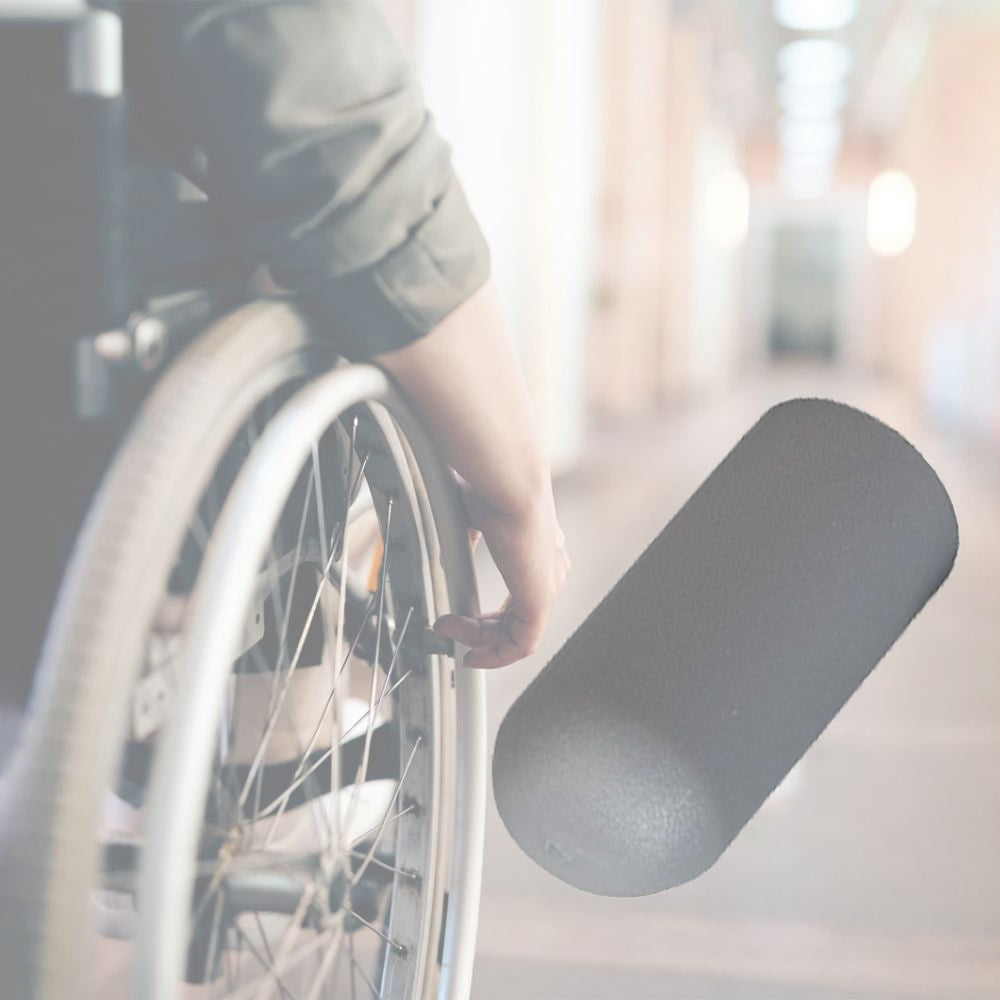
[324, 162]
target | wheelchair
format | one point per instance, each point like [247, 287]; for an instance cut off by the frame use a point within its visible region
[249, 767]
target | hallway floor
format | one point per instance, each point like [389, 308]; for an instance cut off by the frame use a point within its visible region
[874, 870]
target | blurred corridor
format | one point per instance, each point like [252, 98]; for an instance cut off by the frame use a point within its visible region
[675, 192]
[697, 209]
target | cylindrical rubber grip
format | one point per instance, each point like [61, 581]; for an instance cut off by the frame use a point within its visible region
[644, 746]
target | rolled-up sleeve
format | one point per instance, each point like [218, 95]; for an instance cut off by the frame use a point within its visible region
[325, 164]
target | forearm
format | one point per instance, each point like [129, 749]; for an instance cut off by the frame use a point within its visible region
[464, 380]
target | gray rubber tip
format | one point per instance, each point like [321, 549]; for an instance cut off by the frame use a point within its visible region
[645, 745]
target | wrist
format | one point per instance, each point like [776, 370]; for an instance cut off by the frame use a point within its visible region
[517, 498]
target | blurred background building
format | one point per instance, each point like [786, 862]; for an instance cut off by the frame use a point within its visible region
[677, 192]
[697, 208]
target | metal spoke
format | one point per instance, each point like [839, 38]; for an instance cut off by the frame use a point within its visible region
[392, 802]
[211, 890]
[376, 994]
[213, 938]
[395, 653]
[317, 477]
[266, 962]
[329, 701]
[332, 935]
[338, 540]
[282, 800]
[319, 761]
[371, 728]
[327, 965]
[395, 945]
[385, 866]
[354, 962]
[263, 938]
[243, 818]
[330, 698]
[288, 939]
[334, 758]
[273, 720]
[378, 827]
[274, 593]
[363, 764]
[361, 718]
[225, 803]
[256, 812]
[353, 487]
[300, 778]
[338, 654]
[237, 961]
[296, 562]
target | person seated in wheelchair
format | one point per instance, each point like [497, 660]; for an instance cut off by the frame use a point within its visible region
[303, 125]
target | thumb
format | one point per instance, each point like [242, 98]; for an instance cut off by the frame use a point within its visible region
[460, 628]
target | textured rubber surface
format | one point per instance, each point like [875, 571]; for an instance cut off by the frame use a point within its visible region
[656, 732]
[50, 793]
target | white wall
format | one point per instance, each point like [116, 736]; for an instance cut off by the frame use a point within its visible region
[715, 269]
[515, 88]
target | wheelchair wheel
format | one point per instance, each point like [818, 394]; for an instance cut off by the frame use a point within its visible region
[240, 663]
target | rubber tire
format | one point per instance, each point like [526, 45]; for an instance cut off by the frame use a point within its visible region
[51, 793]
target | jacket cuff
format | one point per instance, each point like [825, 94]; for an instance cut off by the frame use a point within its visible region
[408, 292]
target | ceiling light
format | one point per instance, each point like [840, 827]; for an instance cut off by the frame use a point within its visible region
[808, 162]
[807, 174]
[727, 209]
[809, 136]
[892, 213]
[806, 183]
[815, 61]
[811, 100]
[815, 15]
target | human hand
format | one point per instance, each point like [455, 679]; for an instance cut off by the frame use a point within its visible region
[529, 549]
[463, 378]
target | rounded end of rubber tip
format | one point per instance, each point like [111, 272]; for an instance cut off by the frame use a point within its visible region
[602, 804]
